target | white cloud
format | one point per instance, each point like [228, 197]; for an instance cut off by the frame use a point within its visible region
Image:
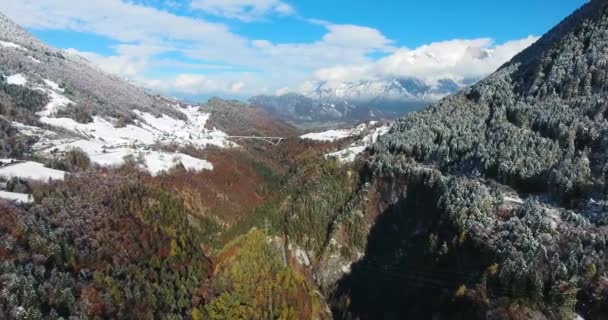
[147, 38]
[282, 91]
[115, 19]
[245, 10]
[455, 59]
[142, 29]
[124, 66]
[352, 36]
[193, 84]
[341, 43]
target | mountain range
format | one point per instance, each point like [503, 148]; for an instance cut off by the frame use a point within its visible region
[361, 101]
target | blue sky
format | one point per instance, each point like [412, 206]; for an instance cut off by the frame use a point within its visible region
[236, 48]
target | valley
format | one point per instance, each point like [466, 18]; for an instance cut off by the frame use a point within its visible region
[477, 200]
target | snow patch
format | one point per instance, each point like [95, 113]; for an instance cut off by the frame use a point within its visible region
[334, 135]
[17, 197]
[34, 59]
[56, 102]
[107, 145]
[18, 79]
[6, 44]
[53, 85]
[28, 170]
[157, 162]
[516, 200]
[350, 153]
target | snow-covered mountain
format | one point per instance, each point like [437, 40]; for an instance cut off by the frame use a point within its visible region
[359, 101]
[368, 91]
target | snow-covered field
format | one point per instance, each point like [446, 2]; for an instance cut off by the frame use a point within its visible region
[334, 135]
[108, 145]
[350, 153]
[161, 161]
[51, 71]
[28, 170]
[17, 197]
[17, 79]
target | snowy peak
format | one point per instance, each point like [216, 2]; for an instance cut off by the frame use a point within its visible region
[404, 90]
[358, 101]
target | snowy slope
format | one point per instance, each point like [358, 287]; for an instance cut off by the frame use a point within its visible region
[337, 134]
[350, 153]
[17, 197]
[122, 121]
[371, 132]
[108, 145]
[28, 170]
[21, 53]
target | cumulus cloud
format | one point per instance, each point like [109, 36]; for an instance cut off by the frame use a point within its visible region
[121, 21]
[133, 69]
[193, 84]
[219, 60]
[143, 32]
[124, 66]
[341, 43]
[454, 59]
[245, 10]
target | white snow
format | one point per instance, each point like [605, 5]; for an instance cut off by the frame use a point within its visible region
[330, 135]
[513, 200]
[17, 79]
[6, 44]
[56, 102]
[29, 170]
[369, 91]
[34, 59]
[46, 138]
[349, 154]
[53, 85]
[17, 197]
[334, 135]
[153, 161]
[156, 162]
[107, 145]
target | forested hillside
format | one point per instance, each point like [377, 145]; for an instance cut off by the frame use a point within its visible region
[135, 246]
[495, 198]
